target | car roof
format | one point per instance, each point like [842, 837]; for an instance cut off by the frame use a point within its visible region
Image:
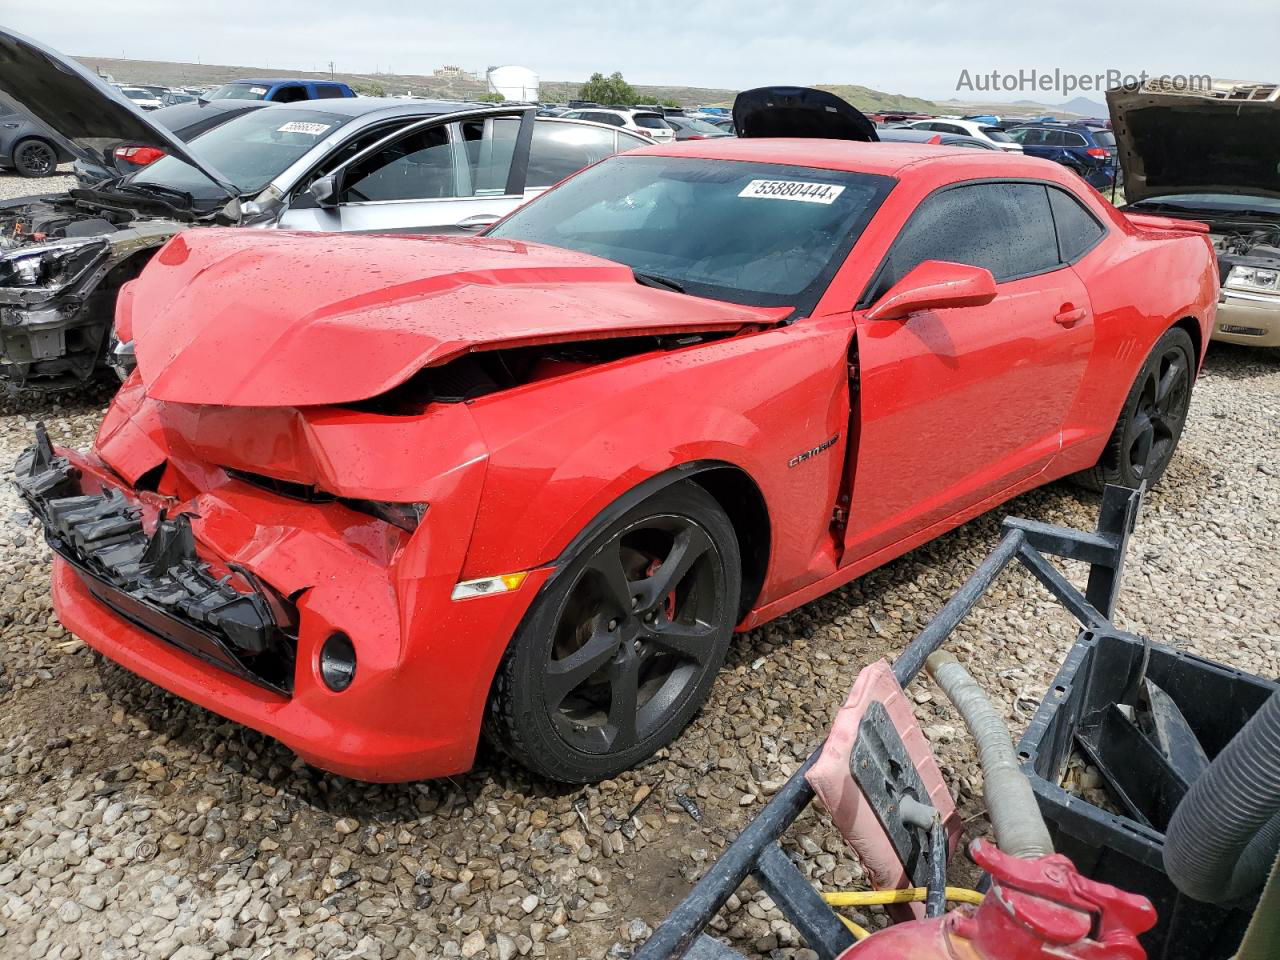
[886, 158]
[387, 106]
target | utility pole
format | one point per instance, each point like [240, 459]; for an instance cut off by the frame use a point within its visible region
[330, 69]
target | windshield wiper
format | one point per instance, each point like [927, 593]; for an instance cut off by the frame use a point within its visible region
[157, 188]
[655, 280]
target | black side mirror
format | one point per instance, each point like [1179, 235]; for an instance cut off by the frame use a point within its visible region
[324, 191]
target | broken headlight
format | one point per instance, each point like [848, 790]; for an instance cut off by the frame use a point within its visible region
[1253, 278]
[49, 265]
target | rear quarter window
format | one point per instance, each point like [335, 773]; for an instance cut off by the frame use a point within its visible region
[1077, 229]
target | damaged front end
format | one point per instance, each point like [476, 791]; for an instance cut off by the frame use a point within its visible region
[60, 269]
[156, 580]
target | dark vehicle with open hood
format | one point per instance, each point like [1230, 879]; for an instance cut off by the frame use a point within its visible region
[372, 494]
[348, 164]
[1213, 157]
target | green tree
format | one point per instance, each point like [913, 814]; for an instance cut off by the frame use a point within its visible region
[668, 102]
[370, 89]
[611, 90]
[491, 98]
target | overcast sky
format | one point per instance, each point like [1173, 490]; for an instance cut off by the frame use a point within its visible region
[917, 49]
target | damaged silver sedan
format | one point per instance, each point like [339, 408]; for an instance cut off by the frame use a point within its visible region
[353, 165]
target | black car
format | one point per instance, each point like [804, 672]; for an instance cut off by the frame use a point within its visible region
[28, 148]
[186, 120]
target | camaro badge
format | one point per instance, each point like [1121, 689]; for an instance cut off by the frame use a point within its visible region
[802, 457]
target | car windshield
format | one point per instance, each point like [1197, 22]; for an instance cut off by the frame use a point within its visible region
[996, 134]
[250, 150]
[239, 91]
[701, 127]
[754, 233]
[1215, 202]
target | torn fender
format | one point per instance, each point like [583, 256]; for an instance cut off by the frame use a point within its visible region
[225, 317]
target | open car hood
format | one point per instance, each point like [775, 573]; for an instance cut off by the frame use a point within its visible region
[79, 107]
[255, 319]
[1177, 143]
[799, 112]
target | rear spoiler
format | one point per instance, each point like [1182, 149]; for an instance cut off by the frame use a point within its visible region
[1145, 221]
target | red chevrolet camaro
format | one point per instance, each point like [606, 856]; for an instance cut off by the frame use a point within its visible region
[370, 495]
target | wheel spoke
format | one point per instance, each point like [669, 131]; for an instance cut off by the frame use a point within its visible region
[1171, 378]
[1140, 450]
[690, 544]
[567, 674]
[624, 688]
[618, 590]
[689, 640]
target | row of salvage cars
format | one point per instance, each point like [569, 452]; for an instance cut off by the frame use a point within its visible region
[373, 494]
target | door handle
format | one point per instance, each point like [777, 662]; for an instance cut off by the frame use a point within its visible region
[1069, 317]
[478, 222]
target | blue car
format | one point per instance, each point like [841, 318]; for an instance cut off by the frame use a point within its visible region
[281, 90]
[1087, 149]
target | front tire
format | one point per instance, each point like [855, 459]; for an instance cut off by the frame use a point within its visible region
[35, 158]
[621, 648]
[1151, 422]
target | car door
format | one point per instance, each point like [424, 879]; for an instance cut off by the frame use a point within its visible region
[561, 148]
[455, 175]
[957, 405]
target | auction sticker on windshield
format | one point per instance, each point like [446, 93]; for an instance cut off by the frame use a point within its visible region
[801, 190]
[301, 126]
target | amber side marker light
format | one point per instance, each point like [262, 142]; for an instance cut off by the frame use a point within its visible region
[488, 585]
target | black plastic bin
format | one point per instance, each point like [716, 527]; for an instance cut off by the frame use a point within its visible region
[1216, 701]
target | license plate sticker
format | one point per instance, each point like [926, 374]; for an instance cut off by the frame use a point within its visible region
[802, 190]
[301, 126]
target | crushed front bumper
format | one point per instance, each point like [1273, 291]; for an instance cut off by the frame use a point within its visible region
[156, 581]
[149, 602]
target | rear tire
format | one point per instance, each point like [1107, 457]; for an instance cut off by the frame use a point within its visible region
[1151, 421]
[35, 158]
[622, 646]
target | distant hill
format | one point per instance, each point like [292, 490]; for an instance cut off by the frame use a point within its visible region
[877, 101]
[464, 87]
[1085, 107]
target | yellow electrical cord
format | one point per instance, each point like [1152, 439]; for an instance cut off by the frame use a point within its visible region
[866, 898]
[859, 933]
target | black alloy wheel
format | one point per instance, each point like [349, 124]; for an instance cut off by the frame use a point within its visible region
[35, 158]
[622, 646]
[1155, 412]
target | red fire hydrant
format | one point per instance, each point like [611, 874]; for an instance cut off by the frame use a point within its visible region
[1036, 910]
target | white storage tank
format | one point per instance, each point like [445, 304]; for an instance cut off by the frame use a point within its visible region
[514, 83]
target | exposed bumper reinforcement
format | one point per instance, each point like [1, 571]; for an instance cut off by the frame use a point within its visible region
[157, 582]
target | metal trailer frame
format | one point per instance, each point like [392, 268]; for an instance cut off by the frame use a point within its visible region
[756, 850]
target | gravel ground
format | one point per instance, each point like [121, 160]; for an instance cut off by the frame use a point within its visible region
[135, 825]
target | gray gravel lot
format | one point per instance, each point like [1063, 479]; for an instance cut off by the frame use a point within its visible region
[135, 825]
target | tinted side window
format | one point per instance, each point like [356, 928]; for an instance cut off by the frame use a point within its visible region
[1074, 139]
[490, 145]
[1034, 138]
[329, 93]
[416, 167]
[1077, 230]
[1004, 227]
[291, 94]
[559, 149]
[1055, 138]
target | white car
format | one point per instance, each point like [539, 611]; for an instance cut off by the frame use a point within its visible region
[970, 128]
[647, 123]
[142, 98]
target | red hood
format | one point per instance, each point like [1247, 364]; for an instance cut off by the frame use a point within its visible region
[254, 319]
